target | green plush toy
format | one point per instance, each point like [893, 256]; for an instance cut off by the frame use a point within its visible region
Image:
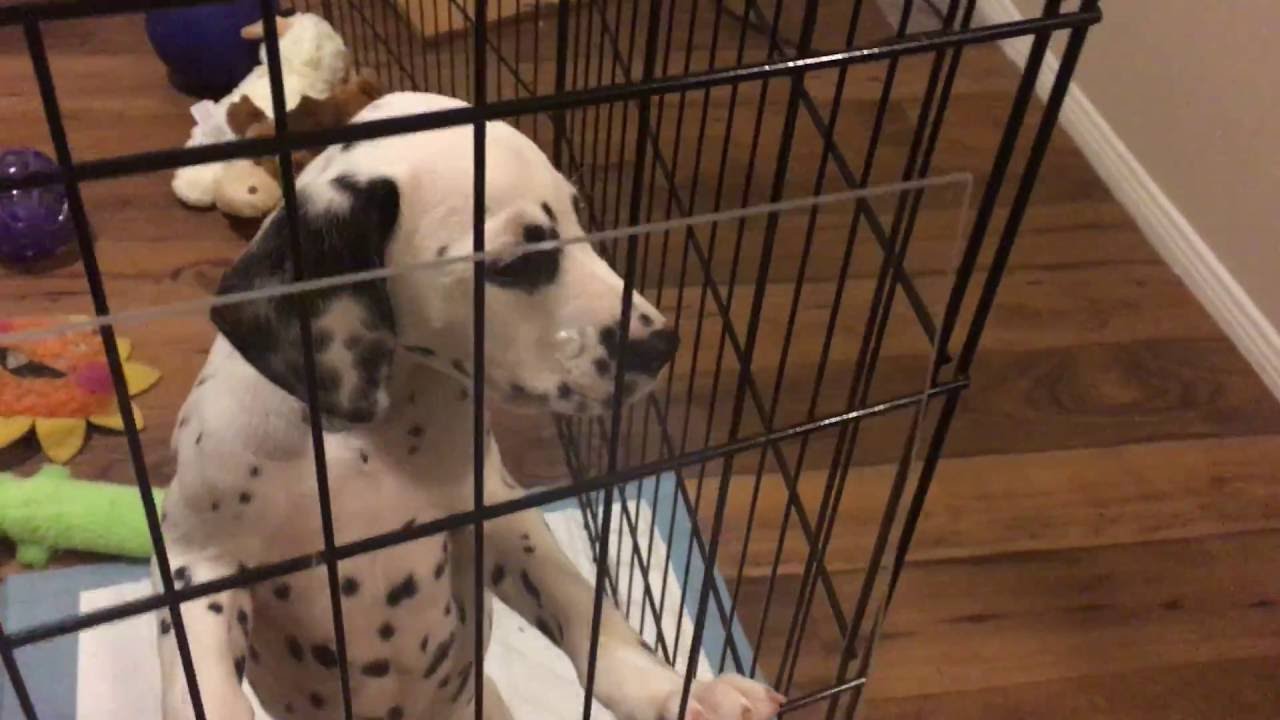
[53, 511]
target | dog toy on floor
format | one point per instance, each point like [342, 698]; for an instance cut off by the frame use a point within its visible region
[314, 62]
[244, 187]
[34, 223]
[53, 511]
[59, 384]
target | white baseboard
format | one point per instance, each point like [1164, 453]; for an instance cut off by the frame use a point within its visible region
[1165, 227]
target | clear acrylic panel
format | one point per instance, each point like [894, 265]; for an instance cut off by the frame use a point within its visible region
[773, 448]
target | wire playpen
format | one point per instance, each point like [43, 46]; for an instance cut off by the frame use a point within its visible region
[764, 173]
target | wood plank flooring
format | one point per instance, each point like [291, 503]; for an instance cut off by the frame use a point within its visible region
[1103, 539]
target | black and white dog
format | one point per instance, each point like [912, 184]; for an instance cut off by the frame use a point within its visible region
[394, 362]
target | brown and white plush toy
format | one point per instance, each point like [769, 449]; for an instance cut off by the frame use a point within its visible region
[314, 62]
[245, 187]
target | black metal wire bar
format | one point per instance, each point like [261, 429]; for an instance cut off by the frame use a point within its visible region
[271, 41]
[866, 364]
[46, 10]
[899, 484]
[708, 286]
[732, 281]
[576, 472]
[684, 260]
[830, 502]
[480, 433]
[168, 159]
[15, 678]
[826, 129]
[781, 168]
[98, 292]
[537, 65]
[615, 416]
[797, 291]
[558, 138]
[1022, 196]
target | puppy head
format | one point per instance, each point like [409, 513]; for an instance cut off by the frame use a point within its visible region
[553, 339]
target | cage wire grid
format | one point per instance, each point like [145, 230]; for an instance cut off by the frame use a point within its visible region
[605, 88]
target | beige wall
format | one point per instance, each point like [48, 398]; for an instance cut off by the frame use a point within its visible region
[1193, 89]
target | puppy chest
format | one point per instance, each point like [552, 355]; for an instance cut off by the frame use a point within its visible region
[408, 634]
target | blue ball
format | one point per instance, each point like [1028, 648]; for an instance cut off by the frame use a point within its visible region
[34, 223]
[202, 47]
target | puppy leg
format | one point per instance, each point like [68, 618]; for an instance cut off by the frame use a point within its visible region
[530, 573]
[218, 633]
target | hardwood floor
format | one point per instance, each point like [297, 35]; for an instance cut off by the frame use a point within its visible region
[1103, 538]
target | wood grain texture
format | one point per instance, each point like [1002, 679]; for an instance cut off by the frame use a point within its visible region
[1102, 538]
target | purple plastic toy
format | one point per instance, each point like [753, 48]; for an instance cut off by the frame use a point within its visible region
[34, 223]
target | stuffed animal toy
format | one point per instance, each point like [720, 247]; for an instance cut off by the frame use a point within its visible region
[53, 511]
[241, 183]
[314, 62]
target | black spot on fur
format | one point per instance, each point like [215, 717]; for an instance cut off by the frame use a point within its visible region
[528, 549]
[403, 590]
[324, 656]
[253, 654]
[199, 437]
[364, 457]
[438, 658]
[182, 421]
[464, 678]
[413, 450]
[165, 626]
[444, 682]
[246, 497]
[439, 571]
[181, 577]
[202, 380]
[564, 392]
[415, 431]
[530, 587]
[316, 700]
[498, 574]
[395, 713]
[350, 586]
[213, 506]
[409, 523]
[442, 251]
[545, 628]
[239, 667]
[422, 646]
[281, 591]
[462, 612]
[645, 320]
[448, 608]
[215, 607]
[550, 214]
[386, 631]
[294, 647]
[461, 367]
[376, 668]
[603, 367]
[254, 471]
[242, 619]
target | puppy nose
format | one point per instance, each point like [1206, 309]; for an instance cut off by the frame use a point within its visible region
[651, 353]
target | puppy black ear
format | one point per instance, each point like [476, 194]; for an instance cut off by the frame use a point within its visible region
[352, 326]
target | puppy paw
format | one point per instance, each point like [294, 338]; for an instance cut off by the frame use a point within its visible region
[728, 697]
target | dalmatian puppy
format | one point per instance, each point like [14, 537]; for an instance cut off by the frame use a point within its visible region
[394, 364]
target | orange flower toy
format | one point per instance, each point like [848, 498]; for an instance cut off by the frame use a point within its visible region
[59, 384]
